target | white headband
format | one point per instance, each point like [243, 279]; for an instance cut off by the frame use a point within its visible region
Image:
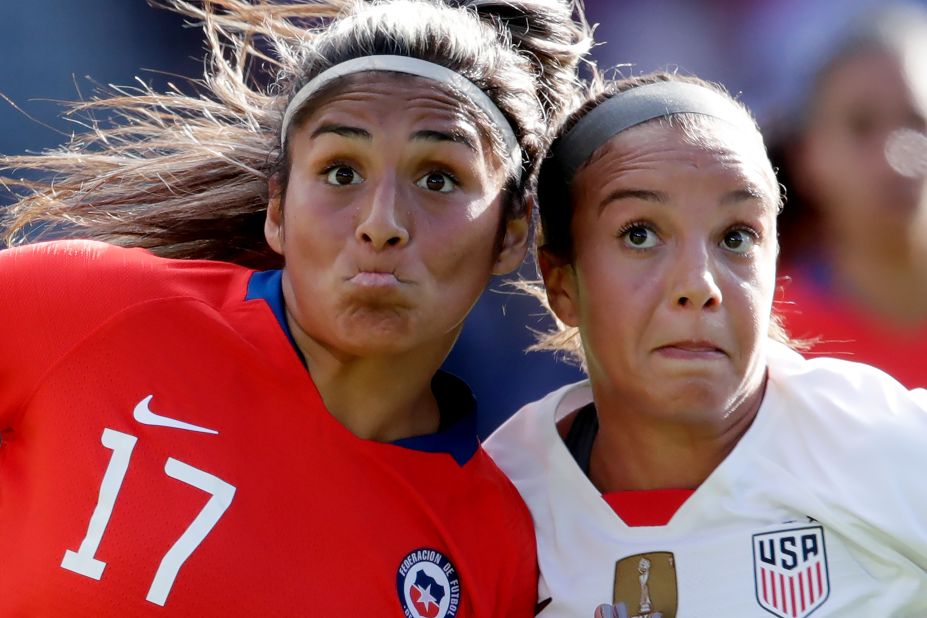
[410, 66]
[636, 106]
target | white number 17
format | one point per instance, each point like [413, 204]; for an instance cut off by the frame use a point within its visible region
[221, 493]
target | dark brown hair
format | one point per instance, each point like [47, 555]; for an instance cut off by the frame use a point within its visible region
[187, 176]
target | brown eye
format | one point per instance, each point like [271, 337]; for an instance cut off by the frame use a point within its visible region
[639, 236]
[343, 175]
[439, 182]
[739, 241]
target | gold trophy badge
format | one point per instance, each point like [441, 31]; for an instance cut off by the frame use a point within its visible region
[645, 586]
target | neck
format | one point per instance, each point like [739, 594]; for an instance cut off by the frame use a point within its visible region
[382, 398]
[634, 452]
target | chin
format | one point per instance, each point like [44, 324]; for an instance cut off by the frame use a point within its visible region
[696, 398]
[370, 345]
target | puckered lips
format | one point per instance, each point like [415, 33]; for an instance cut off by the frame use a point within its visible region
[380, 281]
[375, 272]
[374, 279]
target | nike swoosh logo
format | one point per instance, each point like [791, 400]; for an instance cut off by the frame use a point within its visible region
[145, 416]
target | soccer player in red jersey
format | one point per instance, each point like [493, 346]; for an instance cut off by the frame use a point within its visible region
[262, 428]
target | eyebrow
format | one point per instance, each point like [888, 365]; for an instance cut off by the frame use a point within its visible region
[342, 130]
[457, 137]
[428, 135]
[659, 197]
[742, 195]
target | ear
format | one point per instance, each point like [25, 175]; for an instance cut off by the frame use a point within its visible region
[273, 222]
[514, 246]
[560, 283]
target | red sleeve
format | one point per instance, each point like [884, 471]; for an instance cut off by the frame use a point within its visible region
[53, 295]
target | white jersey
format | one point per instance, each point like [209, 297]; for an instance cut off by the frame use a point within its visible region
[821, 508]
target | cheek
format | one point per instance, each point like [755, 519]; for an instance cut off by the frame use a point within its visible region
[766, 272]
[612, 294]
[751, 302]
[313, 218]
[466, 235]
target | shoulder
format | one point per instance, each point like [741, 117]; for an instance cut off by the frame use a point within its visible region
[846, 410]
[85, 272]
[56, 294]
[522, 444]
[853, 391]
[854, 437]
[532, 419]
[67, 254]
[498, 492]
[60, 269]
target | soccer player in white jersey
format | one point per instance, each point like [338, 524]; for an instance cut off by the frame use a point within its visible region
[704, 468]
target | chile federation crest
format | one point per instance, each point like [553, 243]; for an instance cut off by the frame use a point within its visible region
[428, 585]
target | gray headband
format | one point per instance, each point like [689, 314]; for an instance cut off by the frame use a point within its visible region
[636, 106]
[409, 66]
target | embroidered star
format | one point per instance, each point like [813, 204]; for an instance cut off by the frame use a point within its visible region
[426, 599]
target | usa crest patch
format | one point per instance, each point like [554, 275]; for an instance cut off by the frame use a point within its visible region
[428, 585]
[790, 569]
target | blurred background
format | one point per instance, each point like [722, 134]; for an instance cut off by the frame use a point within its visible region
[786, 59]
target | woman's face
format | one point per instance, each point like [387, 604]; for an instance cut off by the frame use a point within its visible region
[390, 220]
[674, 271]
[846, 161]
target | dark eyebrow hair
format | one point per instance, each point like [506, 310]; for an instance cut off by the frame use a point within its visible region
[429, 135]
[444, 136]
[342, 130]
[634, 194]
[658, 197]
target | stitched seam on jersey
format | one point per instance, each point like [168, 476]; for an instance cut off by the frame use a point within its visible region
[18, 417]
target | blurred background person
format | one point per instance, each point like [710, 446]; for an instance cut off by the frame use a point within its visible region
[854, 162]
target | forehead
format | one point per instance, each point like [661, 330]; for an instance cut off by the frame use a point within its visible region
[876, 76]
[385, 98]
[669, 158]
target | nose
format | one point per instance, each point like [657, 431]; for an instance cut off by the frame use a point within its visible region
[381, 224]
[695, 283]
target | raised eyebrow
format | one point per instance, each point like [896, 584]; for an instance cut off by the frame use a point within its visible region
[658, 197]
[749, 194]
[430, 135]
[343, 131]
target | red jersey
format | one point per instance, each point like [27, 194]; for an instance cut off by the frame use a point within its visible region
[845, 330]
[164, 452]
